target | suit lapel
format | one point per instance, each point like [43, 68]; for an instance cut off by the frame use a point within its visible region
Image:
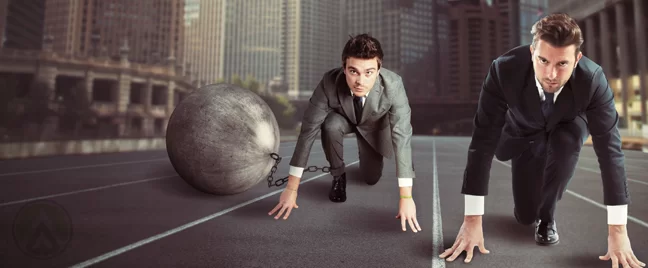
[371, 103]
[345, 98]
[532, 98]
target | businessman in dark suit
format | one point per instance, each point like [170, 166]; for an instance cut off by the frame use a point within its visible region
[537, 107]
[362, 98]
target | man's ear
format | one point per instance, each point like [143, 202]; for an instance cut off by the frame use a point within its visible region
[578, 57]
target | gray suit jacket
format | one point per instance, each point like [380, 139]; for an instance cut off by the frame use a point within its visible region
[385, 117]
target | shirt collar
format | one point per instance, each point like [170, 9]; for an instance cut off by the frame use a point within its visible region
[541, 91]
[365, 96]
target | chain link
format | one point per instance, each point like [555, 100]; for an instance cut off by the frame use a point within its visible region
[283, 180]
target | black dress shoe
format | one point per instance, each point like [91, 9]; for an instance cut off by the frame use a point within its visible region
[338, 189]
[546, 233]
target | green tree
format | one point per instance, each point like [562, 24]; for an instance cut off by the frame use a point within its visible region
[280, 105]
[76, 109]
[8, 92]
[37, 109]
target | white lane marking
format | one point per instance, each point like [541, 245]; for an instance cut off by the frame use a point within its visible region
[98, 165]
[81, 167]
[437, 227]
[183, 227]
[596, 171]
[85, 190]
[633, 219]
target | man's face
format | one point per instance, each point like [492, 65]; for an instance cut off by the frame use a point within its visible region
[553, 65]
[361, 74]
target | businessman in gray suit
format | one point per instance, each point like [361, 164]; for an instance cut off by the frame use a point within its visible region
[362, 98]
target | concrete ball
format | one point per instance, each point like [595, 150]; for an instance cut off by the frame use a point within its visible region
[220, 138]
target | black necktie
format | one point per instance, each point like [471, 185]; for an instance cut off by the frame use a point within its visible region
[357, 104]
[548, 104]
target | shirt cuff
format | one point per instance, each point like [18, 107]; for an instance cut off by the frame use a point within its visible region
[473, 205]
[296, 171]
[405, 182]
[617, 215]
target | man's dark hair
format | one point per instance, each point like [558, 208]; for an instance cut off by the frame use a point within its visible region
[559, 30]
[362, 46]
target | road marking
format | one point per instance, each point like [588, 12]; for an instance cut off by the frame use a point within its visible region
[633, 219]
[97, 188]
[596, 171]
[626, 158]
[85, 190]
[183, 227]
[437, 228]
[81, 167]
[98, 165]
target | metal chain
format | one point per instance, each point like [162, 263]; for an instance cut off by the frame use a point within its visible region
[283, 180]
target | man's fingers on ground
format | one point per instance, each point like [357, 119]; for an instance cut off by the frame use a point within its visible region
[458, 251]
[482, 248]
[281, 212]
[274, 209]
[469, 257]
[288, 212]
[418, 227]
[411, 223]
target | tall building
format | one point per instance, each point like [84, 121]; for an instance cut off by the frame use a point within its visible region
[151, 29]
[530, 12]
[615, 34]
[442, 47]
[509, 9]
[313, 43]
[408, 32]
[21, 24]
[204, 26]
[253, 39]
[478, 35]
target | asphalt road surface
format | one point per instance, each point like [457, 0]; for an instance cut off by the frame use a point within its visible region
[132, 210]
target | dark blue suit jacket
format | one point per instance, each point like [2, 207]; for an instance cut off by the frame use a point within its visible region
[509, 115]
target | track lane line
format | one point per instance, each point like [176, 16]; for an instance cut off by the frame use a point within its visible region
[183, 227]
[86, 190]
[597, 204]
[577, 195]
[81, 167]
[437, 224]
[99, 165]
[598, 172]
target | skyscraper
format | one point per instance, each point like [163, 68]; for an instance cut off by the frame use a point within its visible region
[408, 32]
[313, 43]
[21, 24]
[253, 39]
[530, 12]
[478, 35]
[151, 29]
[204, 39]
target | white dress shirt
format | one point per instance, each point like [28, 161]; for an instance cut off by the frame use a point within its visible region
[299, 171]
[474, 205]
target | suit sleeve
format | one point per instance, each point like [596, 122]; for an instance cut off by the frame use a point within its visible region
[314, 117]
[487, 128]
[400, 115]
[602, 120]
